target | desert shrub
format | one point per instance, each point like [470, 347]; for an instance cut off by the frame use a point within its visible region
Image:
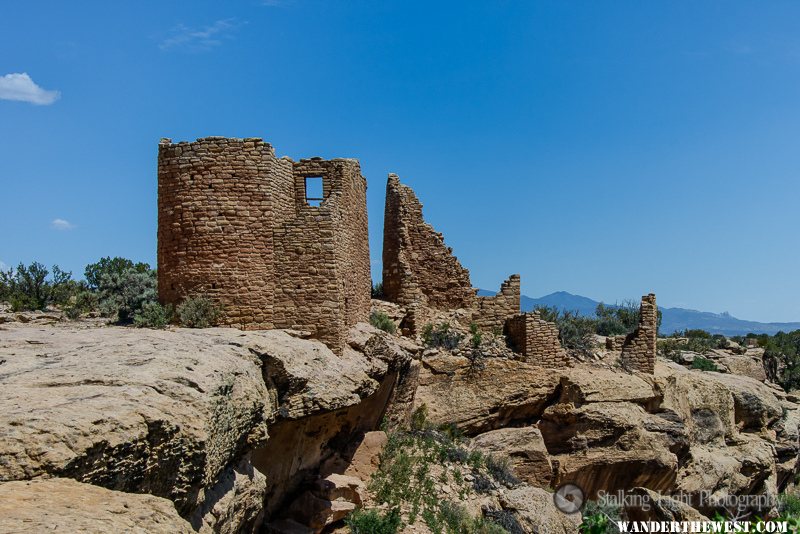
[377, 291]
[380, 320]
[108, 266]
[152, 315]
[507, 520]
[500, 470]
[617, 320]
[373, 522]
[782, 358]
[82, 300]
[789, 505]
[198, 312]
[475, 336]
[599, 518]
[441, 336]
[122, 293]
[30, 287]
[704, 364]
[548, 313]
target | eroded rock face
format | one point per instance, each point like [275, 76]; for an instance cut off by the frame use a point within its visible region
[214, 420]
[65, 505]
[145, 411]
[526, 450]
[534, 509]
[504, 392]
[605, 429]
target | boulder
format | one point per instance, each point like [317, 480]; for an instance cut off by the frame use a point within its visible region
[504, 392]
[524, 447]
[65, 505]
[649, 505]
[536, 512]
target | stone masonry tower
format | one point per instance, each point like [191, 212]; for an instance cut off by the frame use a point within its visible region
[277, 243]
[639, 349]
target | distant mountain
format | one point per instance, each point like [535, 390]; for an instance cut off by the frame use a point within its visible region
[673, 319]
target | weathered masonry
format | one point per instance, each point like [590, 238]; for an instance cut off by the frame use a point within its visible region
[537, 340]
[277, 243]
[420, 270]
[639, 349]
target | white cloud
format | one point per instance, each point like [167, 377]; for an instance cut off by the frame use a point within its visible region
[3, 265]
[19, 86]
[61, 224]
[197, 39]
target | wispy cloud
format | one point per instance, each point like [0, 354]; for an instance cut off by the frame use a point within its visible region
[198, 39]
[3, 265]
[61, 224]
[20, 87]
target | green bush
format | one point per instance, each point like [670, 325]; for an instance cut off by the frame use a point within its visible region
[599, 518]
[108, 266]
[380, 320]
[122, 294]
[29, 287]
[198, 312]
[575, 332]
[373, 522]
[83, 300]
[441, 336]
[153, 315]
[704, 364]
[789, 506]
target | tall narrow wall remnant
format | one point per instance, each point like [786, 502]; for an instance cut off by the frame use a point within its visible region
[237, 224]
[417, 265]
[537, 340]
[639, 349]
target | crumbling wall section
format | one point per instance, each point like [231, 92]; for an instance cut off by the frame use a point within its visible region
[537, 340]
[639, 349]
[417, 265]
[491, 313]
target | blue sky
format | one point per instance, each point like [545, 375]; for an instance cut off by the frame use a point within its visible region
[608, 149]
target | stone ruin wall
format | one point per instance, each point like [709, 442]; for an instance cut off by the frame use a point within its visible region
[537, 340]
[639, 349]
[417, 265]
[234, 225]
[492, 312]
[323, 253]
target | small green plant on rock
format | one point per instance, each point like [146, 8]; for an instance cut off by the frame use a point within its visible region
[373, 522]
[441, 336]
[380, 320]
[198, 312]
[704, 364]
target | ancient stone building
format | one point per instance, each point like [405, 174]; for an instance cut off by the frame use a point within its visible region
[639, 349]
[277, 243]
[537, 340]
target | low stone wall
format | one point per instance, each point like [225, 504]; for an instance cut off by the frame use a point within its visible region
[639, 349]
[537, 340]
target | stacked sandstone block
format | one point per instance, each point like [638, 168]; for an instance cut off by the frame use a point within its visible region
[234, 225]
[491, 313]
[639, 349]
[417, 265]
[537, 340]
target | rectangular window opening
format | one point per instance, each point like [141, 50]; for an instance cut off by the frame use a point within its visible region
[314, 192]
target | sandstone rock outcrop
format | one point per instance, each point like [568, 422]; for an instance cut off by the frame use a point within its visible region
[65, 505]
[223, 423]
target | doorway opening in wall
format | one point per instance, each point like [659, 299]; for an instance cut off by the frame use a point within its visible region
[314, 192]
